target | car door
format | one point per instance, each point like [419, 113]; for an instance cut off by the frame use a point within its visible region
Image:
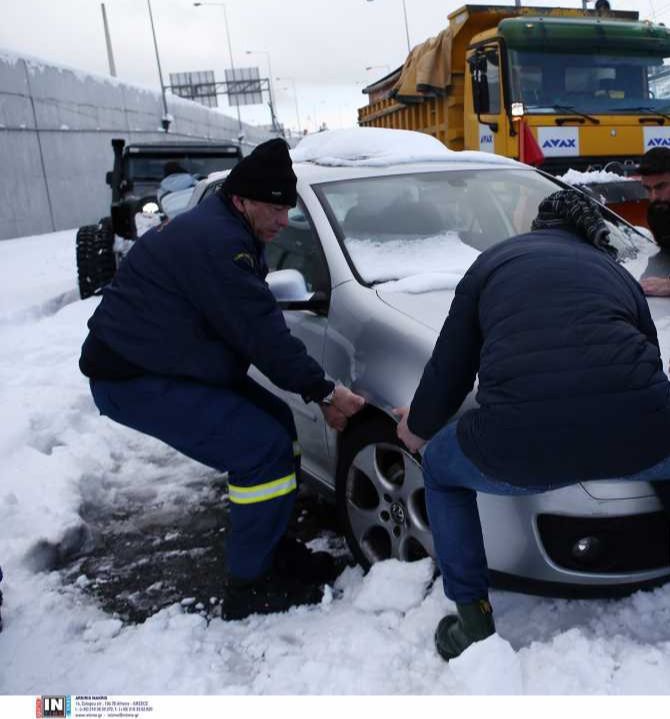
[298, 247]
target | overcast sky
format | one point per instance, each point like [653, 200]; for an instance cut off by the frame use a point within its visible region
[323, 46]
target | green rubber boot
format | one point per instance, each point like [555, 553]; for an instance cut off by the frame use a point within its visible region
[455, 633]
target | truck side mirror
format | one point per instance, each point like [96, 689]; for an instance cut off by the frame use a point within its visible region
[480, 85]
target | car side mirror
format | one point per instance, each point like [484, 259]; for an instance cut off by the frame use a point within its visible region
[290, 291]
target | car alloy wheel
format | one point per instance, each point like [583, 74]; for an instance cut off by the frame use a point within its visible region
[381, 497]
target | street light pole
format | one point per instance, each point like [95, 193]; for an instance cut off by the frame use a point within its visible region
[275, 123]
[230, 53]
[295, 98]
[108, 42]
[165, 121]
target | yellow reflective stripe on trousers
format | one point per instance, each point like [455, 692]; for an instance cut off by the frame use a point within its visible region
[262, 492]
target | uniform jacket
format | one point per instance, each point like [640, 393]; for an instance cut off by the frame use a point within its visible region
[190, 299]
[571, 385]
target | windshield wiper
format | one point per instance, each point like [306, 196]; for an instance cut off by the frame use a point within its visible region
[649, 111]
[573, 111]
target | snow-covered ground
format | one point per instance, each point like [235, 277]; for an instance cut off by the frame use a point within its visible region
[371, 635]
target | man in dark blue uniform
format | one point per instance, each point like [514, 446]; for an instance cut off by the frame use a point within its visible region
[571, 388]
[168, 352]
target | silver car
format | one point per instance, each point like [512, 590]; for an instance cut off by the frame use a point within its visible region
[365, 272]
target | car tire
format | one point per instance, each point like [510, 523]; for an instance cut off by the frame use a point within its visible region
[96, 263]
[381, 497]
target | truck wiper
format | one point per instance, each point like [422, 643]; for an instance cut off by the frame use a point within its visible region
[573, 111]
[649, 111]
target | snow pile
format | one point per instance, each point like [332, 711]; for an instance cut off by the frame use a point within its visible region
[381, 147]
[372, 634]
[38, 275]
[418, 265]
[575, 177]
[394, 585]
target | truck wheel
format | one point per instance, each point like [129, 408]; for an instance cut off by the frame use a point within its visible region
[96, 263]
[381, 497]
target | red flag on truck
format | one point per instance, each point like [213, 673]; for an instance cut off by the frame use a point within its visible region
[529, 151]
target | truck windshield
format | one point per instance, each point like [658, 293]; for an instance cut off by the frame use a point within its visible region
[148, 167]
[589, 82]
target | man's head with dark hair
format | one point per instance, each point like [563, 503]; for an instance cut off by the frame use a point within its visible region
[655, 161]
[172, 167]
[655, 176]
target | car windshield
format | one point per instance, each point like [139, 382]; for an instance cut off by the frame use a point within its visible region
[589, 82]
[421, 231]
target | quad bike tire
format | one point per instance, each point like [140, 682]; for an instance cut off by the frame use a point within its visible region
[380, 496]
[96, 262]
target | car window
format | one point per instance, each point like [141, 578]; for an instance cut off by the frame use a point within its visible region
[436, 223]
[211, 189]
[174, 203]
[297, 247]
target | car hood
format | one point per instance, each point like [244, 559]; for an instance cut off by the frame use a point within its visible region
[428, 308]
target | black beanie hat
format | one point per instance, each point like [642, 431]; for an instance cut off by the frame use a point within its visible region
[265, 175]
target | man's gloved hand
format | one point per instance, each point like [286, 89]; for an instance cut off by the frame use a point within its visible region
[656, 286]
[412, 441]
[343, 404]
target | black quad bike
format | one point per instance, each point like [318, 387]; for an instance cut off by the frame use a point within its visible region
[135, 179]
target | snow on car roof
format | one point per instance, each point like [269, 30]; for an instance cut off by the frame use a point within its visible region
[381, 147]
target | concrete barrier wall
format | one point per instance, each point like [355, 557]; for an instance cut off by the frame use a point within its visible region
[56, 126]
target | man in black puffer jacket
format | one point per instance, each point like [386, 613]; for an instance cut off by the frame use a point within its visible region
[168, 352]
[571, 388]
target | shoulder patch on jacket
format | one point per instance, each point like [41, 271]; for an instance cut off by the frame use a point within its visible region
[244, 258]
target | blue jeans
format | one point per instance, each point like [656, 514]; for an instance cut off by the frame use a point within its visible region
[245, 431]
[452, 482]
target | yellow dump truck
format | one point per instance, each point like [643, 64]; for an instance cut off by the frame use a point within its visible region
[559, 88]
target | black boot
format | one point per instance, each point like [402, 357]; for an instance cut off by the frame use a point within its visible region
[455, 633]
[267, 594]
[294, 560]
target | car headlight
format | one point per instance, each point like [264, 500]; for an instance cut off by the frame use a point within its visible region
[150, 208]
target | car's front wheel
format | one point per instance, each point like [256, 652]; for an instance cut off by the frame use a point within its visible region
[381, 497]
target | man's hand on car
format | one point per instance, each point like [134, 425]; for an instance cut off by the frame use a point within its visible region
[656, 286]
[412, 441]
[342, 404]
